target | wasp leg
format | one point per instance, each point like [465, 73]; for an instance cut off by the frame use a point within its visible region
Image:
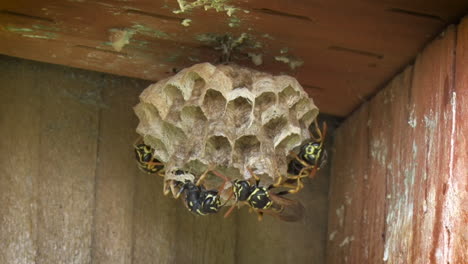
[202, 177]
[321, 133]
[303, 163]
[294, 188]
[161, 173]
[313, 172]
[280, 183]
[225, 180]
[259, 216]
[166, 190]
[301, 174]
[257, 179]
[178, 193]
[230, 210]
[152, 165]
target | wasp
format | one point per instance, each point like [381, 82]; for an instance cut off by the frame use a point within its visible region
[263, 201]
[198, 199]
[146, 161]
[312, 156]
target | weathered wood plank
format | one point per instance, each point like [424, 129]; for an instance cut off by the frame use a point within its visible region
[410, 143]
[115, 175]
[204, 239]
[19, 161]
[65, 186]
[321, 34]
[455, 214]
[166, 232]
[430, 98]
[154, 222]
[399, 170]
[348, 175]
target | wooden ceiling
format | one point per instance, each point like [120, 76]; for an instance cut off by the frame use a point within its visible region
[340, 51]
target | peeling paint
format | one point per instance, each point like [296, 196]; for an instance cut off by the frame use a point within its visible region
[151, 32]
[139, 43]
[291, 61]
[15, 29]
[234, 22]
[346, 241]
[332, 235]
[412, 119]
[430, 121]
[186, 22]
[267, 36]
[217, 5]
[399, 218]
[379, 152]
[257, 59]
[47, 28]
[340, 215]
[348, 199]
[37, 36]
[120, 38]
[226, 41]
[284, 50]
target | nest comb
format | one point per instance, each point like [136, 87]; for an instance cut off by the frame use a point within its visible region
[225, 116]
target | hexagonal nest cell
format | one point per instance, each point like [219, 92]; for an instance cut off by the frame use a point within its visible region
[225, 116]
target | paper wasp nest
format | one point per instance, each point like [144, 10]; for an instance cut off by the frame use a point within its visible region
[227, 116]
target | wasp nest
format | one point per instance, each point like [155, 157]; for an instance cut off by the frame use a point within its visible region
[227, 117]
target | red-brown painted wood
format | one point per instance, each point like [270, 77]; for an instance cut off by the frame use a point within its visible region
[431, 93]
[455, 213]
[347, 57]
[411, 206]
[345, 200]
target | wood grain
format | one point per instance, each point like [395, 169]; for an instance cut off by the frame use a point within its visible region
[67, 158]
[346, 200]
[323, 34]
[411, 191]
[455, 213]
[19, 164]
[116, 173]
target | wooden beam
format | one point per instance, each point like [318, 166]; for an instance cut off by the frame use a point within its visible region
[345, 57]
[409, 200]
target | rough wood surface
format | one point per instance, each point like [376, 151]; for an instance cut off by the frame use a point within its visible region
[67, 158]
[19, 162]
[70, 191]
[346, 188]
[413, 199]
[116, 172]
[273, 241]
[322, 34]
[431, 102]
[455, 214]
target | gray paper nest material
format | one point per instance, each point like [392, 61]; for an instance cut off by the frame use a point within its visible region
[227, 116]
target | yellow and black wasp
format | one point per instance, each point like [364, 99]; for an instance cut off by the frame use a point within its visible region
[312, 156]
[263, 200]
[146, 161]
[198, 199]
